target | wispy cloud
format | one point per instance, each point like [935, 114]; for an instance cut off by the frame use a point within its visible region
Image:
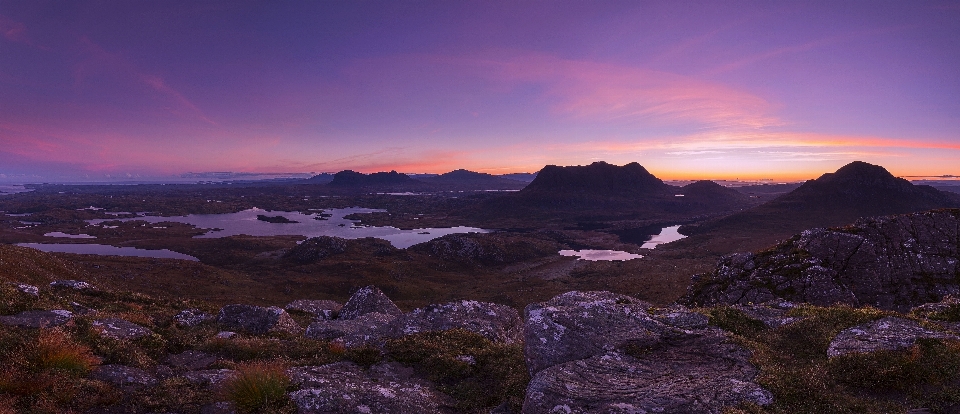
[15, 31]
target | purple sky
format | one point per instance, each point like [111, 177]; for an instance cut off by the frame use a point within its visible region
[782, 90]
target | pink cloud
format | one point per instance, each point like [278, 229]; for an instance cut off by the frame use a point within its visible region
[611, 92]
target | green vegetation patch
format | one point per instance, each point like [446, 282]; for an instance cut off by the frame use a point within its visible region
[734, 320]
[476, 372]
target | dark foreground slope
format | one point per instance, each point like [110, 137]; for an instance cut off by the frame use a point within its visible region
[892, 262]
[855, 191]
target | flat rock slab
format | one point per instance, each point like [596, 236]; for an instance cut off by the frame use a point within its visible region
[257, 320]
[498, 323]
[368, 300]
[28, 290]
[367, 329]
[124, 376]
[120, 329]
[887, 334]
[323, 309]
[344, 387]
[38, 319]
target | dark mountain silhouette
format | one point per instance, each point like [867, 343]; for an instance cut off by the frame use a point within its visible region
[602, 195]
[525, 177]
[599, 178]
[321, 178]
[710, 194]
[855, 191]
[470, 180]
[348, 179]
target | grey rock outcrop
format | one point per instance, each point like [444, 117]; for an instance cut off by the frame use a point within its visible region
[191, 317]
[28, 290]
[498, 323]
[367, 329]
[120, 329]
[71, 284]
[209, 377]
[324, 309]
[368, 300]
[887, 334]
[602, 352]
[38, 319]
[124, 376]
[257, 320]
[344, 387]
[190, 360]
[893, 262]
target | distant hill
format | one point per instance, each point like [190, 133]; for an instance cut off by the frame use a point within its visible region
[388, 181]
[469, 180]
[606, 196]
[321, 178]
[525, 177]
[854, 191]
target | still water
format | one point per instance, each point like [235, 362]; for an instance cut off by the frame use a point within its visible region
[597, 255]
[667, 235]
[107, 250]
[245, 222]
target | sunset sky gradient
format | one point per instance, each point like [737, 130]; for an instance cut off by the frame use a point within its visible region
[91, 90]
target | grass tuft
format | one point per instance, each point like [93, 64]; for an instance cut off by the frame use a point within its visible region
[56, 350]
[258, 387]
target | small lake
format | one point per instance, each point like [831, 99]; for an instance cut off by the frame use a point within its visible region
[69, 236]
[598, 255]
[667, 235]
[107, 250]
[333, 223]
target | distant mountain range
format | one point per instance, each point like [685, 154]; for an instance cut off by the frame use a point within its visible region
[393, 181]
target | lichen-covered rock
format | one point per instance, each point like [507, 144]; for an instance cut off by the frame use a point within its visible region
[120, 329]
[71, 284]
[324, 309]
[773, 314]
[344, 387]
[599, 352]
[28, 290]
[495, 322]
[893, 262]
[209, 377]
[887, 334]
[316, 248]
[124, 376]
[367, 329]
[368, 300]
[577, 325]
[191, 317]
[257, 320]
[38, 319]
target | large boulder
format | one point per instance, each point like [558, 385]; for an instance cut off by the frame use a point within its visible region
[368, 300]
[603, 352]
[577, 325]
[257, 320]
[344, 387]
[887, 334]
[893, 262]
[498, 323]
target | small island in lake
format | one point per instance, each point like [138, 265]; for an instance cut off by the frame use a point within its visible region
[275, 219]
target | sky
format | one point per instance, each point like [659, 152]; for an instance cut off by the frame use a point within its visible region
[780, 90]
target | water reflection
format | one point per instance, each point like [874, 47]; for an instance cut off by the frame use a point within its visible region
[667, 235]
[596, 255]
[69, 236]
[107, 250]
[331, 223]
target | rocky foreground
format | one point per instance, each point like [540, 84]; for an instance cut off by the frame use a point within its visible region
[584, 352]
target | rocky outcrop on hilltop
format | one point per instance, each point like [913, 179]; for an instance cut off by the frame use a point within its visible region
[893, 262]
[316, 248]
[487, 249]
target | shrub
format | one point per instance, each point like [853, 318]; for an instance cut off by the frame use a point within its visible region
[258, 387]
[55, 350]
